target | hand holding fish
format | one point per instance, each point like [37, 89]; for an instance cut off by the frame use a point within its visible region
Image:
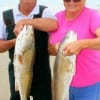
[53, 48]
[73, 48]
[18, 27]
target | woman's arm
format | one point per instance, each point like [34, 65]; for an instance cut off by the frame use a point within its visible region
[43, 24]
[76, 46]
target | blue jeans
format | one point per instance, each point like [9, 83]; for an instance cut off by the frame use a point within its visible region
[85, 93]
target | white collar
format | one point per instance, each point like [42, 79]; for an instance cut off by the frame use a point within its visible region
[33, 12]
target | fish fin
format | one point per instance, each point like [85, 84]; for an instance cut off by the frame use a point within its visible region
[14, 57]
[16, 86]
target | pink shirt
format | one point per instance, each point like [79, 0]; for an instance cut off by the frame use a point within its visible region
[88, 61]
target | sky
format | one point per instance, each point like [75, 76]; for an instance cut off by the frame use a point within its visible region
[54, 5]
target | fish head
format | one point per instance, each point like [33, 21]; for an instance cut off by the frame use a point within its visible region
[25, 39]
[70, 36]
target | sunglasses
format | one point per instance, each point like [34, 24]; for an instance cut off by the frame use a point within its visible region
[72, 0]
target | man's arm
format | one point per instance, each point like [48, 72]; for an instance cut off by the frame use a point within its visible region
[6, 44]
[43, 24]
[53, 48]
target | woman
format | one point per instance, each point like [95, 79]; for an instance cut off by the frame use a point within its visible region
[86, 23]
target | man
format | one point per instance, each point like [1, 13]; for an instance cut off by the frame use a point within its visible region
[29, 13]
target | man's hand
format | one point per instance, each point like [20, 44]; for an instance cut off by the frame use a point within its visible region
[53, 48]
[19, 26]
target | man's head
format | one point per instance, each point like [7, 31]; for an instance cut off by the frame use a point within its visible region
[29, 2]
[26, 6]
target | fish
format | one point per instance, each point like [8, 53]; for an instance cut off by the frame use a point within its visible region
[64, 69]
[24, 57]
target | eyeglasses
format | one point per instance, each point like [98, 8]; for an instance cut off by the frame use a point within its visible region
[71, 0]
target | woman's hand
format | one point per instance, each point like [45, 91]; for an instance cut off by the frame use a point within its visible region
[72, 48]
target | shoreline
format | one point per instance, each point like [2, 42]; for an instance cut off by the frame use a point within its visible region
[4, 79]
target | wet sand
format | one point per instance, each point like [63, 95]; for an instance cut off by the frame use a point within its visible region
[4, 80]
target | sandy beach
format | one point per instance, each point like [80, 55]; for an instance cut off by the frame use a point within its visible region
[4, 84]
[4, 80]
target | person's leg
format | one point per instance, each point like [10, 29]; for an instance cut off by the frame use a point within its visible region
[86, 93]
[71, 93]
[42, 95]
[42, 92]
[42, 98]
[15, 96]
[98, 92]
[11, 80]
